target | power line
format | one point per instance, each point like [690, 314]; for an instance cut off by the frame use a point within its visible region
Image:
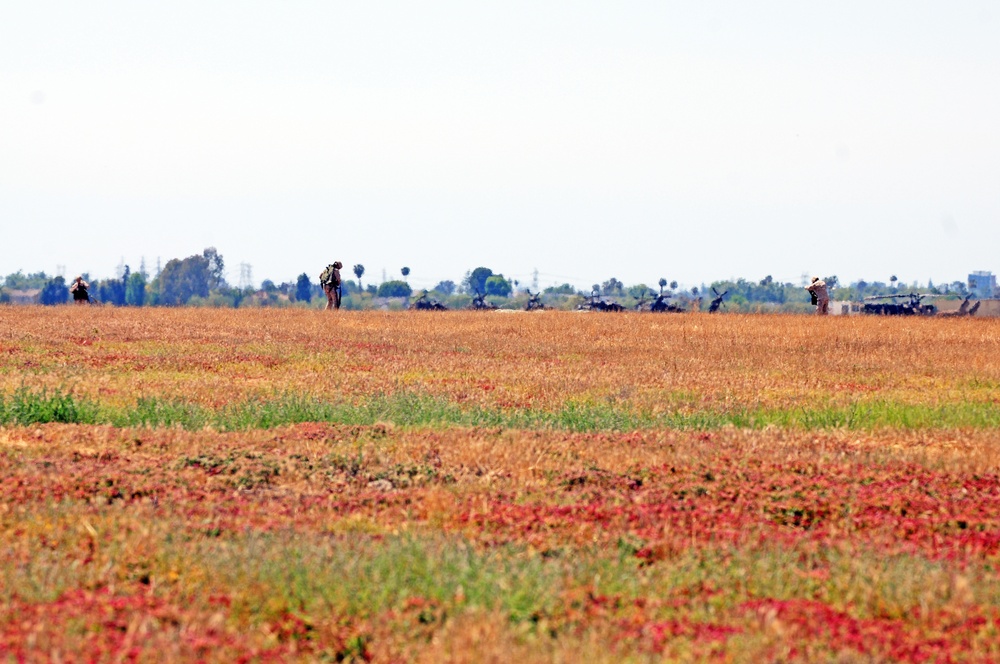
[246, 276]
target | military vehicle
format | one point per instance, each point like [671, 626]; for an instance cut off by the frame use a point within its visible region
[659, 304]
[901, 304]
[425, 303]
[641, 304]
[479, 303]
[597, 304]
[964, 309]
[717, 302]
[534, 302]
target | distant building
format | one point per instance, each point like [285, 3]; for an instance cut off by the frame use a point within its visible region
[29, 296]
[845, 308]
[983, 284]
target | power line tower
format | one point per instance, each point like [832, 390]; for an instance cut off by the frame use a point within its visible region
[246, 276]
[534, 280]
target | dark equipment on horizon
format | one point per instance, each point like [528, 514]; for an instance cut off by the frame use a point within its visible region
[911, 306]
[534, 302]
[659, 304]
[594, 304]
[479, 303]
[963, 309]
[425, 303]
[717, 302]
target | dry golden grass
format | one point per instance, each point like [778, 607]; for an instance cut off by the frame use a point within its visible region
[540, 360]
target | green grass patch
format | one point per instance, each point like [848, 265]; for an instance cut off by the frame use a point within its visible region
[25, 407]
[883, 415]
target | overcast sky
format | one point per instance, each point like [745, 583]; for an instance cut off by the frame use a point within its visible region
[688, 140]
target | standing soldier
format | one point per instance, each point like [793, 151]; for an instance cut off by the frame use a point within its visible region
[329, 278]
[79, 291]
[820, 296]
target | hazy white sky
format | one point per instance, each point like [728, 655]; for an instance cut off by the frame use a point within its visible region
[688, 140]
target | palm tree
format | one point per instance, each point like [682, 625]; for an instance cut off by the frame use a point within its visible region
[663, 283]
[673, 285]
[406, 272]
[359, 269]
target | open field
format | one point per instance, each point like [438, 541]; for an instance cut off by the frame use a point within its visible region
[255, 485]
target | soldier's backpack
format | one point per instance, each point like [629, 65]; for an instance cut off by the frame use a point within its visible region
[327, 276]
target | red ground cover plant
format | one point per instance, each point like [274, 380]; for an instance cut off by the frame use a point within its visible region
[448, 543]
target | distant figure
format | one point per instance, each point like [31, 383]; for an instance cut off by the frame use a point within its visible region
[79, 291]
[820, 296]
[329, 278]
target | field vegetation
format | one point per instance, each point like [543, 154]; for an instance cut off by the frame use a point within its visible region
[296, 485]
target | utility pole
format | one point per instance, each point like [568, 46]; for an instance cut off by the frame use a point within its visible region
[246, 276]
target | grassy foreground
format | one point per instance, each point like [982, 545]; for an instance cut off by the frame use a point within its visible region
[279, 486]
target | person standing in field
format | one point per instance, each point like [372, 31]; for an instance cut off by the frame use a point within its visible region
[79, 291]
[329, 278]
[820, 296]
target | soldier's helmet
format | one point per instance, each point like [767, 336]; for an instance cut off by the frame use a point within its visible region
[338, 264]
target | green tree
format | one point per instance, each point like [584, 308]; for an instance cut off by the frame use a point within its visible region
[406, 272]
[394, 289]
[497, 285]
[612, 287]
[475, 281]
[180, 280]
[135, 289]
[639, 291]
[54, 291]
[216, 268]
[663, 284]
[20, 281]
[303, 288]
[359, 270]
[446, 287]
[564, 289]
[112, 291]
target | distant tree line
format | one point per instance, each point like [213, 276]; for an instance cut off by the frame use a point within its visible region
[199, 280]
